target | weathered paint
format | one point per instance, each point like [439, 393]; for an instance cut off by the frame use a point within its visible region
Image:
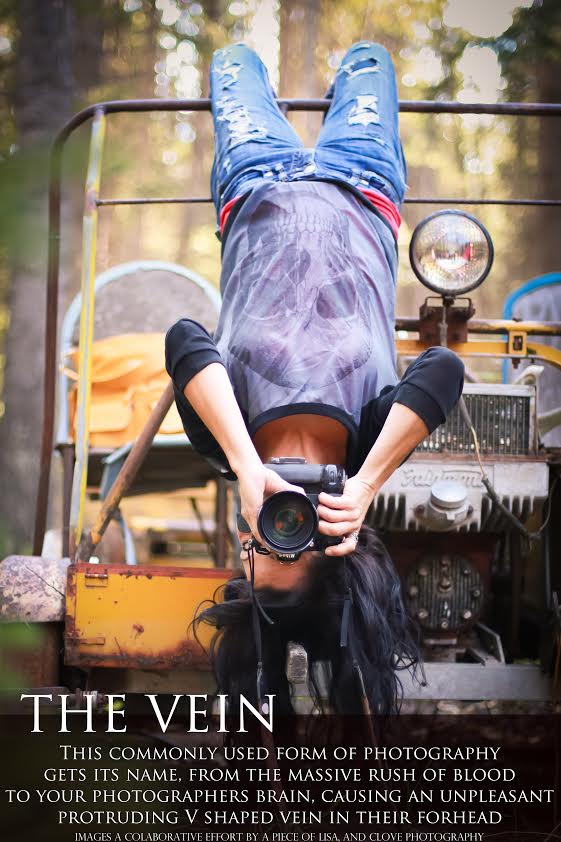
[137, 617]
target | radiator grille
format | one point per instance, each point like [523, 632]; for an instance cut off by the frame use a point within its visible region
[502, 422]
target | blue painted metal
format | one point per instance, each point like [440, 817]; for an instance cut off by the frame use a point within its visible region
[550, 279]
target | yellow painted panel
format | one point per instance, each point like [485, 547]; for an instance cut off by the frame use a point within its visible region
[487, 348]
[119, 616]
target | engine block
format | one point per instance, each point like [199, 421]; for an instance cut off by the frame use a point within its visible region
[504, 418]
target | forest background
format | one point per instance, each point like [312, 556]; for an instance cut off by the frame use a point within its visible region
[57, 56]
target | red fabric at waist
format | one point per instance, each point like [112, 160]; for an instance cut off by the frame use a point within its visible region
[225, 212]
[386, 207]
[381, 202]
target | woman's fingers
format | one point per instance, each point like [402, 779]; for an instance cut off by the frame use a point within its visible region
[333, 515]
[333, 502]
[275, 483]
[346, 547]
[336, 530]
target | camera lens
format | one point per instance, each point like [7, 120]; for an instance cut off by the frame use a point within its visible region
[287, 521]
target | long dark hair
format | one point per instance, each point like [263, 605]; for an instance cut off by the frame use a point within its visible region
[381, 639]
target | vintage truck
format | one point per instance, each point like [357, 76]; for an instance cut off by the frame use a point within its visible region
[457, 516]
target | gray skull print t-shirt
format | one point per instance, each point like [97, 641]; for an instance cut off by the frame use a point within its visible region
[308, 292]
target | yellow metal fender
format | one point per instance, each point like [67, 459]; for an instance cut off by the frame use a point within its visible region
[137, 617]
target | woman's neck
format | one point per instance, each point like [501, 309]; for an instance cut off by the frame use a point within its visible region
[318, 439]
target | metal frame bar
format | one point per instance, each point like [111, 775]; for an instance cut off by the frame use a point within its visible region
[414, 200]
[487, 348]
[89, 245]
[99, 112]
[492, 326]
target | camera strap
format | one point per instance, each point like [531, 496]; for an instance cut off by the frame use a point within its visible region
[256, 609]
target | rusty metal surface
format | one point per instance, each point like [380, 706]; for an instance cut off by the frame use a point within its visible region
[32, 589]
[491, 326]
[178, 680]
[67, 453]
[457, 318]
[137, 617]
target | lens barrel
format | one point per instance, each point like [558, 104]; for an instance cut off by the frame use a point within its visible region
[287, 521]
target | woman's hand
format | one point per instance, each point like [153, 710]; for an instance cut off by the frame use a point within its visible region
[343, 516]
[255, 485]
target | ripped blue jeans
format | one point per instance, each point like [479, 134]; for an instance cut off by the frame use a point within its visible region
[358, 143]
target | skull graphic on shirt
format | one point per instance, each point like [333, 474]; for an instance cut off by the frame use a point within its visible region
[299, 308]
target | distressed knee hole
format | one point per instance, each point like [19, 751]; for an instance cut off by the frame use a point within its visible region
[241, 125]
[364, 111]
[360, 66]
[229, 73]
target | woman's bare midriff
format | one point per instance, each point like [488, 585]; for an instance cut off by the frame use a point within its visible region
[319, 439]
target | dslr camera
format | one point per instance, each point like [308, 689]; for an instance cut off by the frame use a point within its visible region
[287, 520]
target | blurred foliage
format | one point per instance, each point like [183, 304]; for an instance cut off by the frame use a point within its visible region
[533, 38]
[16, 639]
[163, 48]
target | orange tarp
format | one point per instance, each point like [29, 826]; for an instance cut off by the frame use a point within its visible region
[128, 378]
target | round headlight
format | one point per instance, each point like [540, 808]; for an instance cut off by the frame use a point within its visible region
[451, 252]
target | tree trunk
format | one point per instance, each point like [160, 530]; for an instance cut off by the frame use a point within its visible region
[299, 77]
[42, 103]
[548, 258]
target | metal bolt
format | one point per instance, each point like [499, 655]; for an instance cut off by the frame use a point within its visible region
[466, 571]
[444, 624]
[445, 584]
[470, 510]
[419, 510]
[422, 614]
[423, 571]
[476, 593]
[467, 615]
[413, 591]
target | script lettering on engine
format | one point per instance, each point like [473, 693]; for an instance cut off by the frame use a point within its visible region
[424, 477]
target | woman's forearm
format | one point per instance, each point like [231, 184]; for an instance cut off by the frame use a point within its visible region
[211, 395]
[343, 516]
[402, 432]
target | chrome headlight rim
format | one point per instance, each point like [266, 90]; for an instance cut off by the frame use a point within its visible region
[429, 284]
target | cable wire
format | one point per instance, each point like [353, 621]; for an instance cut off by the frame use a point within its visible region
[532, 536]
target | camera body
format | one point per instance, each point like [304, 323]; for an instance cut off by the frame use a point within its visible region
[288, 521]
